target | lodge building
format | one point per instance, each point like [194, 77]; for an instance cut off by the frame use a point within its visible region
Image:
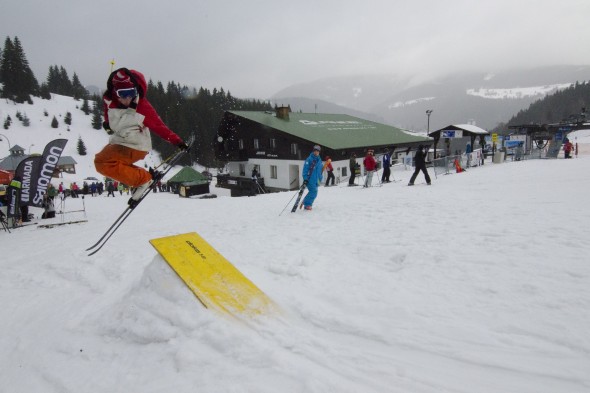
[276, 144]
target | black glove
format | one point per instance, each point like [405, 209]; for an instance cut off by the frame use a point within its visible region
[107, 128]
[304, 183]
[182, 146]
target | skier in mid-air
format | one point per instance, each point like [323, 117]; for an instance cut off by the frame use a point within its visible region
[129, 118]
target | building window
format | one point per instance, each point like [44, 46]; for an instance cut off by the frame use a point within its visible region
[273, 171]
[256, 143]
[294, 148]
[242, 170]
[344, 171]
[272, 143]
[241, 144]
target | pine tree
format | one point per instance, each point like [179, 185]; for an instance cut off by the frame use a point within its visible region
[29, 86]
[26, 122]
[15, 73]
[96, 115]
[7, 66]
[85, 107]
[54, 123]
[19, 81]
[7, 122]
[52, 81]
[44, 92]
[78, 91]
[66, 84]
[81, 146]
[68, 118]
[58, 82]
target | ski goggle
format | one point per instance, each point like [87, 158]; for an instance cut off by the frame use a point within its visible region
[127, 93]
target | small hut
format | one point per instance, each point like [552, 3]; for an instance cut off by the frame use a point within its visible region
[189, 182]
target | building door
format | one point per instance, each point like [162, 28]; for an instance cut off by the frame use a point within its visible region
[293, 177]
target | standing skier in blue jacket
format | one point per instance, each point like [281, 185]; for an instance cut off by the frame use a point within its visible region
[312, 175]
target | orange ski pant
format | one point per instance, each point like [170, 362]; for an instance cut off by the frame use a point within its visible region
[116, 162]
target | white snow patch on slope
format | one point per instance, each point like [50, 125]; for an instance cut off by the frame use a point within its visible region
[516, 92]
[401, 104]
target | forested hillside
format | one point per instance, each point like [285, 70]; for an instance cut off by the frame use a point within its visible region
[564, 105]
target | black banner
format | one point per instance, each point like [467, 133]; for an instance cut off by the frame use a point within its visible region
[26, 173]
[44, 170]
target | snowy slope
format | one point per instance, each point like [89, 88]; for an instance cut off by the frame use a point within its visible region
[476, 284]
[34, 138]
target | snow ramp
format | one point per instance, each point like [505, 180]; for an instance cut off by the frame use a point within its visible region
[213, 279]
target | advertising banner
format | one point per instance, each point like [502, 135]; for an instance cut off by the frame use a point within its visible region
[44, 170]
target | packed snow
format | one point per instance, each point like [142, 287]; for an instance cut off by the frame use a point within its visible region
[478, 283]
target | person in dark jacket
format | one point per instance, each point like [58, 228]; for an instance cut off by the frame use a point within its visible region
[420, 163]
[353, 167]
[110, 189]
[386, 165]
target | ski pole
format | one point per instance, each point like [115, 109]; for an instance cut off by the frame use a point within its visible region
[165, 160]
[171, 156]
[288, 203]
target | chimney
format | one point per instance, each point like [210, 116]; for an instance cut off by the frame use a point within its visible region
[283, 112]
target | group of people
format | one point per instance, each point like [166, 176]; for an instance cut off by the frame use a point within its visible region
[371, 167]
[93, 189]
[313, 171]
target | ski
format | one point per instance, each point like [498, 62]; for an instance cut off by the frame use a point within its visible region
[173, 160]
[298, 200]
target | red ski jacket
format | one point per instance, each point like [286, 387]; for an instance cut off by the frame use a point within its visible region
[369, 162]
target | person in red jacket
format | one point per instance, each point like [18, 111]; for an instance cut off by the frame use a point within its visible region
[330, 169]
[370, 165]
[129, 118]
[567, 148]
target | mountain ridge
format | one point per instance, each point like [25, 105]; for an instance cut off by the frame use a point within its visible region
[483, 98]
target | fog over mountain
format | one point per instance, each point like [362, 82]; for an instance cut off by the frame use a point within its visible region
[482, 98]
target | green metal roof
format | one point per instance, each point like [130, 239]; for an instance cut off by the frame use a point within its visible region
[335, 131]
[188, 174]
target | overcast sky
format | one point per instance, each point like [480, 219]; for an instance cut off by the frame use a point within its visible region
[254, 48]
